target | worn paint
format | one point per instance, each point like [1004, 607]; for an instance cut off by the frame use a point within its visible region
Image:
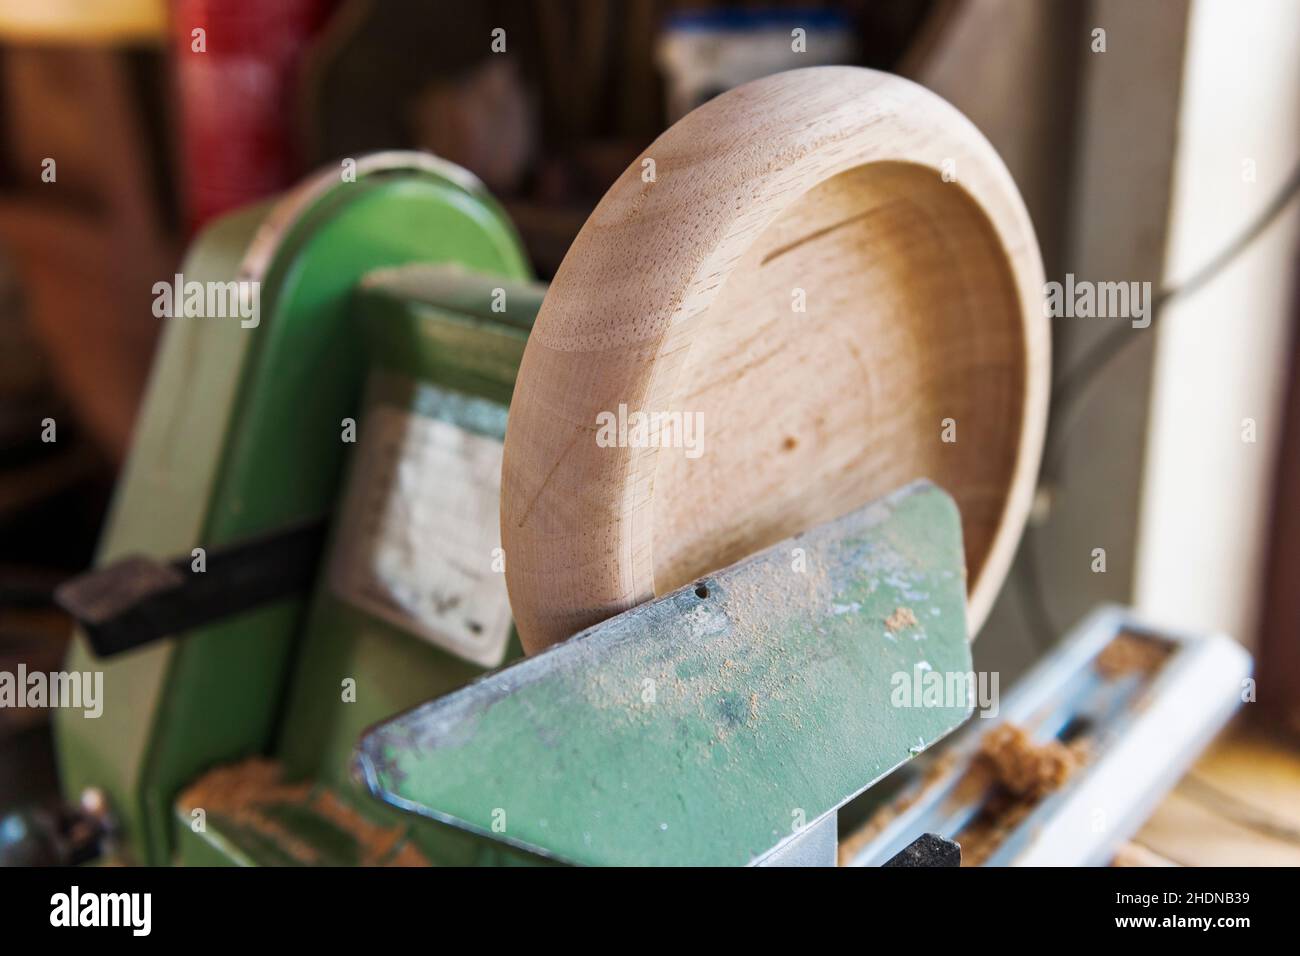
[703, 727]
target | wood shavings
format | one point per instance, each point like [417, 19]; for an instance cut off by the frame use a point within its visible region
[1010, 771]
[249, 792]
[1130, 654]
[1022, 767]
[901, 618]
[1021, 772]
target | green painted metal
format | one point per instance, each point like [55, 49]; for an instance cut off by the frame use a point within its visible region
[317, 824]
[705, 726]
[240, 434]
[232, 842]
[426, 328]
[438, 324]
[438, 350]
[307, 826]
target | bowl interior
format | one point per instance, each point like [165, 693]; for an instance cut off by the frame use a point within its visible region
[870, 336]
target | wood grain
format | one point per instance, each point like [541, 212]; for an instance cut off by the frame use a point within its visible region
[922, 303]
[1236, 807]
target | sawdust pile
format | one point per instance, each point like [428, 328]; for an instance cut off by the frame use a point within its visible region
[1011, 771]
[249, 792]
[1020, 773]
[901, 618]
[1024, 768]
[1130, 654]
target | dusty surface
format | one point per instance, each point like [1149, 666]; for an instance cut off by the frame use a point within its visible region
[248, 792]
[739, 655]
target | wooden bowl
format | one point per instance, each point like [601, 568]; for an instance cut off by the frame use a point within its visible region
[831, 272]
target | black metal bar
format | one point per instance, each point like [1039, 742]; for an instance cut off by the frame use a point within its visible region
[929, 849]
[137, 600]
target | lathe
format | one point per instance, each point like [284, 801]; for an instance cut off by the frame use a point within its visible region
[332, 546]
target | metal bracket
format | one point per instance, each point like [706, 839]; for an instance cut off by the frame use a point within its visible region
[137, 600]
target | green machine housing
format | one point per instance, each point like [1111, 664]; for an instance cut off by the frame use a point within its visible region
[246, 430]
[365, 721]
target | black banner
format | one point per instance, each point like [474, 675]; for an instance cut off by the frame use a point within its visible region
[384, 906]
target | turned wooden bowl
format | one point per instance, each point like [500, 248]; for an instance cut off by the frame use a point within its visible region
[831, 273]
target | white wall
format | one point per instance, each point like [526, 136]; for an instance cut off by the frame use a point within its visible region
[1220, 354]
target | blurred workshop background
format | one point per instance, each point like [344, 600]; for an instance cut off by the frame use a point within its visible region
[1153, 141]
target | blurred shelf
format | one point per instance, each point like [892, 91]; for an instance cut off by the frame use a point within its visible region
[83, 21]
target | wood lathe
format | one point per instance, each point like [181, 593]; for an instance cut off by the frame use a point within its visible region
[823, 296]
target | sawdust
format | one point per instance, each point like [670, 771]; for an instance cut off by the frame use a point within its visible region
[380, 845]
[901, 618]
[1014, 772]
[1023, 768]
[885, 815]
[1020, 773]
[741, 652]
[1131, 654]
[797, 593]
[756, 638]
[236, 790]
[248, 793]
[727, 664]
[988, 831]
